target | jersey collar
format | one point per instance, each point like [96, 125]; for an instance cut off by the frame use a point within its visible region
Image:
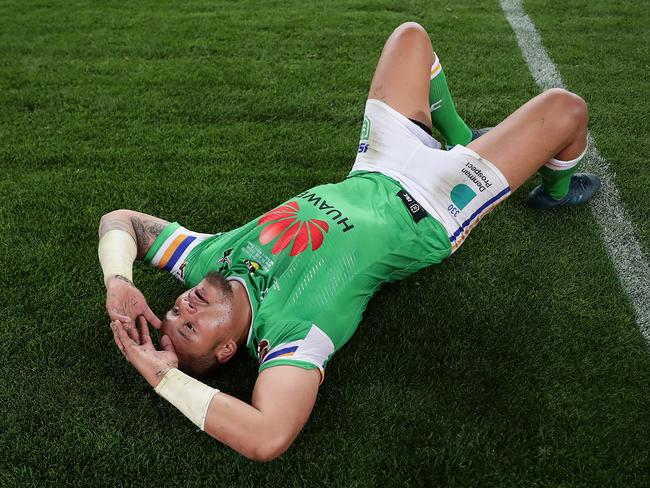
[250, 302]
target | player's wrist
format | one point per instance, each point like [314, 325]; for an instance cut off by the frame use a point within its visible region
[117, 279]
[187, 394]
[159, 377]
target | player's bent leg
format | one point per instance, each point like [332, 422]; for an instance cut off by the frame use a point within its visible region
[401, 78]
[397, 120]
[553, 125]
[411, 80]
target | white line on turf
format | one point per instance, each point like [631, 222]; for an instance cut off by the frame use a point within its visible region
[616, 231]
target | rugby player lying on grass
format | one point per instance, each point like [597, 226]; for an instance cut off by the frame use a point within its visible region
[291, 286]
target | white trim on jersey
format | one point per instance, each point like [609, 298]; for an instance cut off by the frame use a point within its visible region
[315, 348]
[250, 302]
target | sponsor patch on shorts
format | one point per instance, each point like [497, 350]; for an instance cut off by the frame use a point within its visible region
[412, 205]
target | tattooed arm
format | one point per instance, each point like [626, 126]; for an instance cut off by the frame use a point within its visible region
[117, 252]
[142, 227]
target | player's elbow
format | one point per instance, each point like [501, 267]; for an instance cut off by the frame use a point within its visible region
[270, 449]
[116, 214]
[109, 217]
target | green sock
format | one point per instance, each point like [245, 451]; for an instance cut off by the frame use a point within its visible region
[556, 181]
[443, 113]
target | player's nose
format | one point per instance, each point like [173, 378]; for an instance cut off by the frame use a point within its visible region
[188, 307]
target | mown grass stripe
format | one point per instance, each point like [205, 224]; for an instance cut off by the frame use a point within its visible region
[617, 232]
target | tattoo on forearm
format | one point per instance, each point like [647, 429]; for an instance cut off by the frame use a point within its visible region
[140, 233]
[146, 231]
[155, 228]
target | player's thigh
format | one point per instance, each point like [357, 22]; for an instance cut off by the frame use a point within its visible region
[403, 72]
[551, 124]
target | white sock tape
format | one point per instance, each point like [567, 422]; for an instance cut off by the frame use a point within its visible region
[558, 165]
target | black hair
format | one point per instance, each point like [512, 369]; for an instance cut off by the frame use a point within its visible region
[218, 280]
[200, 366]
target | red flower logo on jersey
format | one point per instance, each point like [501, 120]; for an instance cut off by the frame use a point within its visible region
[283, 221]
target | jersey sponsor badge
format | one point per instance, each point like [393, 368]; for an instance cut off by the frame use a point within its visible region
[253, 266]
[284, 224]
[181, 270]
[262, 350]
[412, 205]
[225, 260]
[461, 195]
[476, 176]
[365, 129]
[365, 135]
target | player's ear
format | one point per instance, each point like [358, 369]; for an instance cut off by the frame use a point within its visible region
[226, 351]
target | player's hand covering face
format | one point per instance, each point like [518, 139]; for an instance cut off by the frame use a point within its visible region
[198, 320]
[125, 302]
[137, 347]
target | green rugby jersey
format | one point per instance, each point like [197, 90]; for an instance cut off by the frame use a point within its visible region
[311, 264]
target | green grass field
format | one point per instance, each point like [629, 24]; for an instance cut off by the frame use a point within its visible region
[517, 362]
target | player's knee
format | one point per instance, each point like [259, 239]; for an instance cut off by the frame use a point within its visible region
[579, 110]
[411, 32]
[570, 108]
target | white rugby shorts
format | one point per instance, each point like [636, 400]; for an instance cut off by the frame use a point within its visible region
[456, 187]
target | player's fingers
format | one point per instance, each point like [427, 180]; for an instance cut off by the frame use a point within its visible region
[117, 316]
[152, 318]
[116, 338]
[145, 338]
[166, 344]
[141, 320]
[132, 332]
[127, 342]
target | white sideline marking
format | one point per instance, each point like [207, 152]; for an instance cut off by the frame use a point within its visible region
[616, 231]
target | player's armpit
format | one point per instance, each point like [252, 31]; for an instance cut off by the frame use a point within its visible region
[142, 227]
[283, 399]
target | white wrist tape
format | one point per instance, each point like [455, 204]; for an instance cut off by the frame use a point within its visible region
[188, 395]
[117, 251]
